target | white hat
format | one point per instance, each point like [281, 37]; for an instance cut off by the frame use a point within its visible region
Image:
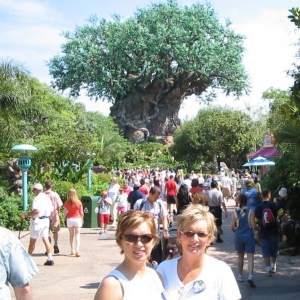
[37, 186]
[282, 192]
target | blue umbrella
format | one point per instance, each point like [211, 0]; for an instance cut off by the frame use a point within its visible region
[259, 161]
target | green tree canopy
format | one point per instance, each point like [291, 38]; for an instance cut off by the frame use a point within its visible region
[147, 64]
[216, 134]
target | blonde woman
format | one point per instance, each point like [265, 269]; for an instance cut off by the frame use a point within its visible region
[74, 213]
[196, 275]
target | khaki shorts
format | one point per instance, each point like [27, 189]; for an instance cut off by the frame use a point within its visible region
[55, 227]
[226, 192]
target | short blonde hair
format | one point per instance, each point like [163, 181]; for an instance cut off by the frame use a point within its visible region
[194, 213]
[133, 218]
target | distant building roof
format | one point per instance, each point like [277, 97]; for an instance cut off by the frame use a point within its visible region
[265, 152]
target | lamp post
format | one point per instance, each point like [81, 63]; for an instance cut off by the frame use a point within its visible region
[89, 175]
[24, 163]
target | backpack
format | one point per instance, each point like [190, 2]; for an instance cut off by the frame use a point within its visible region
[267, 218]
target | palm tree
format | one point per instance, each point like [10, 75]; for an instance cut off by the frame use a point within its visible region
[15, 92]
[14, 87]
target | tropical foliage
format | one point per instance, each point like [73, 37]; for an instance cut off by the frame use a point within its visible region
[216, 134]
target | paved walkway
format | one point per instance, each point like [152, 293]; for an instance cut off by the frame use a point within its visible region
[73, 278]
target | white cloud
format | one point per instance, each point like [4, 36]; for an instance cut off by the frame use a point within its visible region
[269, 53]
[27, 10]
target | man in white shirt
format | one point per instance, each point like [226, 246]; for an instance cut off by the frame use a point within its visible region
[42, 210]
[187, 181]
[226, 186]
[157, 208]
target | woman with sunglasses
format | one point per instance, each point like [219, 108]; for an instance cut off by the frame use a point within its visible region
[196, 275]
[132, 279]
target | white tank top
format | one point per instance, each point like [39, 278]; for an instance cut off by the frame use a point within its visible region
[149, 288]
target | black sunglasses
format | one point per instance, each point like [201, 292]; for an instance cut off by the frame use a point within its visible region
[133, 238]
[191, 234]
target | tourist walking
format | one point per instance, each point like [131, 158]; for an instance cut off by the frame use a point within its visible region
[215, 201]
[113, 192]
[54, 221]
[74, 213]
[266, 217]
[243, 224]
[183, 198]
[41, 210]
[104, 203]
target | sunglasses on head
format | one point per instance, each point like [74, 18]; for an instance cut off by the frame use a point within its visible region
[191, 234]
[133, 238]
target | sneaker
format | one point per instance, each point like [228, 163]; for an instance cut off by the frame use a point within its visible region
[56, 250]
[78, 254]
[269, 273]
[219, 240]
[72, 253]
[101, 232]
[105, 231]
[240, 278]
[250, 280]
[49, 263]
[273, 270]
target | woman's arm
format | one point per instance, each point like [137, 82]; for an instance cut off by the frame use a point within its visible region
[81, 212]
[252, 220]
[233, 221]
[110, 288]
[65, 211]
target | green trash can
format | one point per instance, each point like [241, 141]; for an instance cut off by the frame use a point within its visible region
[90, 211]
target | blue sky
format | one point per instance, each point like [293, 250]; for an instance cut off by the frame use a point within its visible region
[31, 34]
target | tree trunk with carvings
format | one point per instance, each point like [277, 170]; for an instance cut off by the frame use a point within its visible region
[149, 112]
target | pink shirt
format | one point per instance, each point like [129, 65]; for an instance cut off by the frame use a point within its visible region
[57, 203]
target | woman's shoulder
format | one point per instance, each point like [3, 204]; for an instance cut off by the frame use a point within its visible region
[215, 263]
[110, 285]
[167, 264]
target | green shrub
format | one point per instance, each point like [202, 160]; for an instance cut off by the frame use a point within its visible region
[10, 213]
[11, 206]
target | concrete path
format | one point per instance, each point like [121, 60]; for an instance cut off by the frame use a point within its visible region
[73, 278]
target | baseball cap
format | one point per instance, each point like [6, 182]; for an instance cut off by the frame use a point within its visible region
[37, 186]
[136, 185]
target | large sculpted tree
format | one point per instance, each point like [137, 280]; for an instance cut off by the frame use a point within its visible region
[148, 64]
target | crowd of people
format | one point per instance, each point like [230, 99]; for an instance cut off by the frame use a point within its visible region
[142, 210]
